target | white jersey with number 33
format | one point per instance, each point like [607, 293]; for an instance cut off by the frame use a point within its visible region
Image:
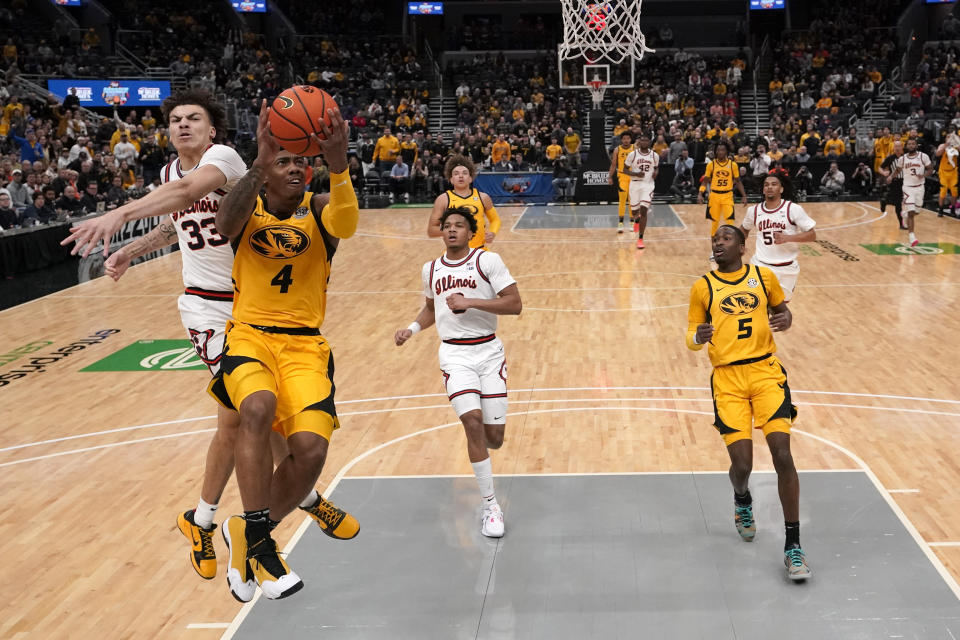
[207, 256]
[789, 218]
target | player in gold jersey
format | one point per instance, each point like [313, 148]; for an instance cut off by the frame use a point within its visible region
[734, 309]
[277, 369]
[461, 171]
[623, 180]
[949, 153]
[720, 178]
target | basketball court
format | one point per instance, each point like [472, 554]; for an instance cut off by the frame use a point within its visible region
[613, 481]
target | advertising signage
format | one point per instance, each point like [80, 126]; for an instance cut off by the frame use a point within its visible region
[110, 93]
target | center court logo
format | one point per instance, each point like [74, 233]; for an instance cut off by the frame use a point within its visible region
[740, 303]
[279, 242]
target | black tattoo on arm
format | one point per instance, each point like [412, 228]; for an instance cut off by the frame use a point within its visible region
[160, 236]
[236, 206]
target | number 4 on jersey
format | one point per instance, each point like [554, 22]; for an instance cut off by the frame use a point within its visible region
[284, 278]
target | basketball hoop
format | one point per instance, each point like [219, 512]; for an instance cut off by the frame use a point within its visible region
[610, 28]
[597, 89]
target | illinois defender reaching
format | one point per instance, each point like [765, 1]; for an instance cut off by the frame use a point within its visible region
[473, 287]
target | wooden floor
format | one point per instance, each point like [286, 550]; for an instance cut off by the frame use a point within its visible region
[95, 466]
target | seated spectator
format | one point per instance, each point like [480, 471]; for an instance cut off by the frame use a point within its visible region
[834, 146]
[68, 203]
[683, 186]
[20, 194]
[802, 182]
[562, 184]
[802, 155]
[519, 164]
[400, 180]
[435, 178]
[862, 178]
[117, 195]
[356, 173]
[38, 212]
[8, 215]
[831, 184]
[91, 198]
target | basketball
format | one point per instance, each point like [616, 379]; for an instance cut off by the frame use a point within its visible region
[296, 113]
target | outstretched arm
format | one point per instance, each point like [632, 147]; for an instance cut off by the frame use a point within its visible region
[433, 225]
[160, 236]
[168, 198]
[236, 206]
[341, 215]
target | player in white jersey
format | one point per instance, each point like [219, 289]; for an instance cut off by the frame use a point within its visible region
[914, 166]
[466, 289]
[193, 186]
[642, 165]
[781, 225]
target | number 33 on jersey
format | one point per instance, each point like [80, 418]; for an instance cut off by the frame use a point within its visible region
[276, 257]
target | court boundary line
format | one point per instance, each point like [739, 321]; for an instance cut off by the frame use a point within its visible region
[393, 409]
[925, 547]
[530, 401]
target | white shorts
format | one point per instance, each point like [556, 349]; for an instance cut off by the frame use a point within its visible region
[205, 321]
[640, 194]
[912, 198]
[786, 275]
[475, 377]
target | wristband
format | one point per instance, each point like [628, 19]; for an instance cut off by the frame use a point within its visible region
[414, 327]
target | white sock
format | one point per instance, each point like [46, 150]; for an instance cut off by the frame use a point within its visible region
[204, 513]
[310, 500]
[484, 473]
[912, 237]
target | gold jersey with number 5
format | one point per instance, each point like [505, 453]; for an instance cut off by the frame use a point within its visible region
[281, 268]
[736, 305]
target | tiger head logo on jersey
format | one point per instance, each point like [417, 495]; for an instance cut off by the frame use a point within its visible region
[740, 303]
[279, 242]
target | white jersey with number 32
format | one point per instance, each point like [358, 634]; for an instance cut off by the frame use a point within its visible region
[207, 256]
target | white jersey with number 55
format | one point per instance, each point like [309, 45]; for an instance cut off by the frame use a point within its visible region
[207, 255]
[789, 218]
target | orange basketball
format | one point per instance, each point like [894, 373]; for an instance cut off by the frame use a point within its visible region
[296, 113]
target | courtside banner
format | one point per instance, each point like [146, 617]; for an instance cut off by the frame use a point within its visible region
[109, 93]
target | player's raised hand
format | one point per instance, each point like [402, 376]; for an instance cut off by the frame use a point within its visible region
[116, 265]
[88, 234]
[401, 336]
[781, 321]
[267, 145]
[704, 333]
[336, 141]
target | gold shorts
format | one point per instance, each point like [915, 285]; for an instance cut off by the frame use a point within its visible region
[297, 369]
[720, 206]
[948, 183]
[751, 395]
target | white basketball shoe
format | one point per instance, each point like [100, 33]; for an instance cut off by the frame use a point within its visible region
[492, 522]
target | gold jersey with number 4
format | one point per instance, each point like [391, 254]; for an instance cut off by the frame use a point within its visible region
[281, 268]
[736, 305]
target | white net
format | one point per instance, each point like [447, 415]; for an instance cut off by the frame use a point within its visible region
[602, 31]
[597, 89]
